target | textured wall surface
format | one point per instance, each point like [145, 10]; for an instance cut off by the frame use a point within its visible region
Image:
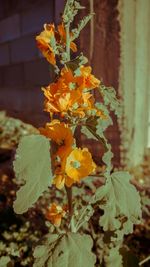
[135, 77]
[22, 68]
[105, 58]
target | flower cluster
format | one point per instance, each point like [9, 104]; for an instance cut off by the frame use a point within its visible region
[71, 93]
[70, 99]
[71, 163]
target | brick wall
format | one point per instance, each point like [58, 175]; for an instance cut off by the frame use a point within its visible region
[22, 68]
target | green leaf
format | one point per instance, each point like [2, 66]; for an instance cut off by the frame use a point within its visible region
[97, 125]
[91, 125]
[70, 250]
[81, 25]
[102, 124]
[122, 206]
[43, 252]
[71, 10]
[4, 261]
[77, 62]
[33, 165]
[110, 99]
[99, 194]
[94, 129]
[108, 155]
[114, 258]
[87, 133]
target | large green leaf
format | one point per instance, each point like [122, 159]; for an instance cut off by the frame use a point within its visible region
[33, 166]
[122, 207]
[70, 250]
[43, 252]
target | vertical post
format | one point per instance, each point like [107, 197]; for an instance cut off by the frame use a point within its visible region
[134, 77]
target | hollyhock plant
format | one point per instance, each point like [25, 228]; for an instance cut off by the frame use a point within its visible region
[53, 158]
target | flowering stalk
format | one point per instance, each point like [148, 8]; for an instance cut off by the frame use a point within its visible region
[69, 190]
[70, 99]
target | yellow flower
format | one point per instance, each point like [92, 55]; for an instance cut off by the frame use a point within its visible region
[62, 179]
[55, 213]
[77, 165]
[43, 43]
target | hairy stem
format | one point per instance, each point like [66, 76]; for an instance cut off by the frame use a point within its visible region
[67, 27]
[69, 197]
[70, 207]
[69, 190]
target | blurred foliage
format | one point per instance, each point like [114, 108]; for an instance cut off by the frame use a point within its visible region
[11, 130]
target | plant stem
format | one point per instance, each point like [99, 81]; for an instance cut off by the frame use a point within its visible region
[69, 197]
[67, 27]
[145, 260]
[69, 190]
[70, 207]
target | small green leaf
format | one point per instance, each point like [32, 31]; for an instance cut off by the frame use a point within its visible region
[81, 25]
[87, 133]
[33, 166]
[114, 258]
[122, 201]
[110, 99]
[4, 261]
[108, 155]
[102, 124]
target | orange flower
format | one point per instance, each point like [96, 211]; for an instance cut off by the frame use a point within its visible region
[50, 34]
[86, 80]
[61, 134]
[43, 43]
[60, 98]
[62, 33]
[55, 213]
[77, 165]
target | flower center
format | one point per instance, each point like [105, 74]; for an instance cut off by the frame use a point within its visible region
[72, 86]
[75, 164]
